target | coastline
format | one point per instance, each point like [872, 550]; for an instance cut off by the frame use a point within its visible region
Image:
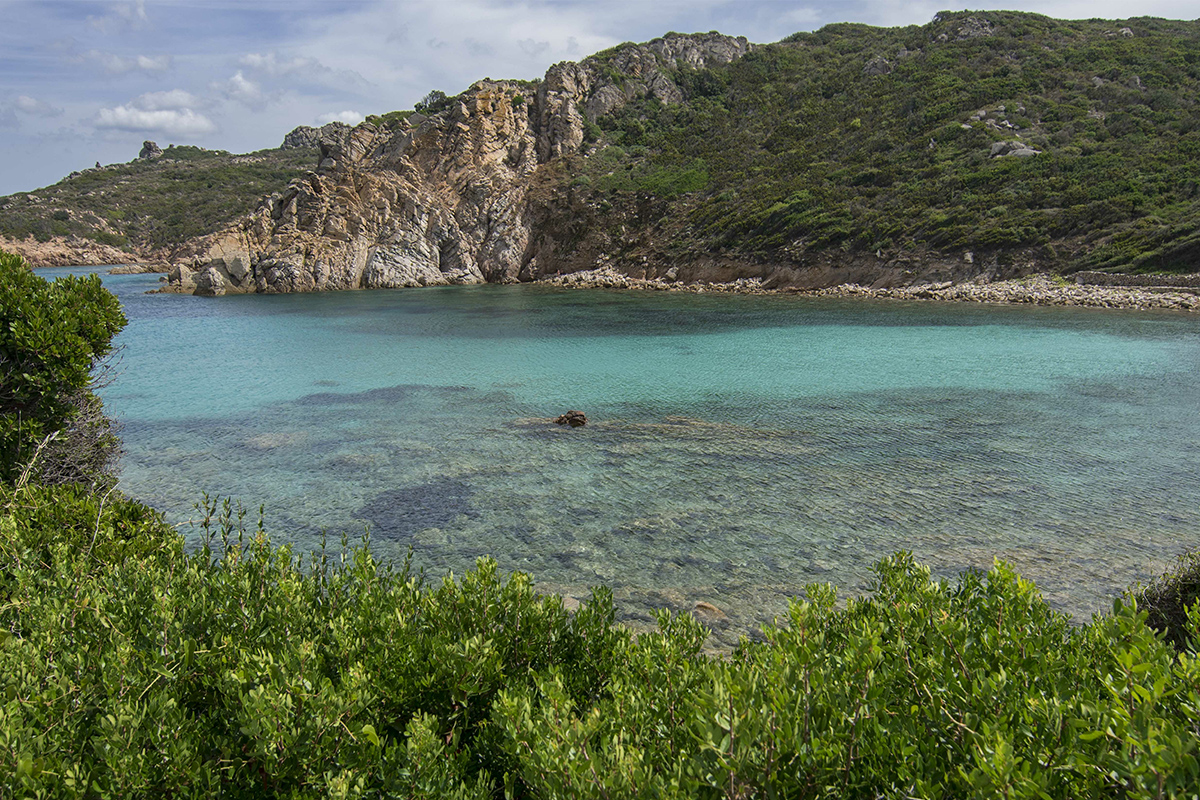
[1039, 289]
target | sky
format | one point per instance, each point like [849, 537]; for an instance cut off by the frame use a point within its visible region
[86, 81]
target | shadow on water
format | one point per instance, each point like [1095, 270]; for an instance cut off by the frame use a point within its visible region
[399, 514]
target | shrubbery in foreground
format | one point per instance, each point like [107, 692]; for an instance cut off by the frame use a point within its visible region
[52, 336]
[131, 668]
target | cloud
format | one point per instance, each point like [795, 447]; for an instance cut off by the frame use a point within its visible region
[36, 108]
[173, 100]
[242, 89]
[348, 117]
[168, 112]
[122, 15]
[8, 118]
[271, 64]
[302, 70]
[531, 48]
[119, 65]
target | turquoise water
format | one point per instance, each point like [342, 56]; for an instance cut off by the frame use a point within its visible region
[739, 447]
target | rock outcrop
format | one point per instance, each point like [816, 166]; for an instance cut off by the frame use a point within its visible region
[444, 199]
[310, 138]
[149, 151]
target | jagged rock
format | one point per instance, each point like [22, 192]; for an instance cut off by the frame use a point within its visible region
[149, 150]
[576, 419]
[210, 283]
[447, 197]
[877, 66]
[308, 137]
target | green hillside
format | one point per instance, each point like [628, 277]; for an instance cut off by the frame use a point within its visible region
[147, 204]
[868, 139]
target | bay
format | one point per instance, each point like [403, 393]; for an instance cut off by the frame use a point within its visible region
[738, 447]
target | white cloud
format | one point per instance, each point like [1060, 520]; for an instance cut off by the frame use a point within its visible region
[121, 15]
[168, 112]
[153, 63]
[36, 108]
[348, 117]
[242, 89]
[273, 65]
[303, 70]
[119, 65]
[172, 100]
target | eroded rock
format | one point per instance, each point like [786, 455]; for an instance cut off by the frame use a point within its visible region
[444, 198]
[576, 419]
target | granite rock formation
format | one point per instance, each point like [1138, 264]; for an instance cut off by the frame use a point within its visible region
[452, 198]
[149, 150]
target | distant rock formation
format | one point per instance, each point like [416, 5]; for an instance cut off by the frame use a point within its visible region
[149, 151]
[310, 138]
[444, 199]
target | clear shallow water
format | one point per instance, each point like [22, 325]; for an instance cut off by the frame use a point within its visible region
[739, 447]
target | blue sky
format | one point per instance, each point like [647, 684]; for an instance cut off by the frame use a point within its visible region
[83, 81]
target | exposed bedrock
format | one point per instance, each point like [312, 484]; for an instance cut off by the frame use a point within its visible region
[450, 198]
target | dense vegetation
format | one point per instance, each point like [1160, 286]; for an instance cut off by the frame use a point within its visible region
[52, 337]
[162, 202]
[856, 139]
[132, 667]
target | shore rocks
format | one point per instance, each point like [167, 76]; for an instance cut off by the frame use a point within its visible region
[1042, 290]
[1039, 290]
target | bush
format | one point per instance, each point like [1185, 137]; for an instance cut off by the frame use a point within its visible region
[129, 668]
[1169, 598]
[433, 102]
[51, 337]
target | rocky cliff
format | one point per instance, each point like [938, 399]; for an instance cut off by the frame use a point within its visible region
[456, 197]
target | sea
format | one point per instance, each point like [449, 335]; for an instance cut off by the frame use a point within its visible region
[738, 448]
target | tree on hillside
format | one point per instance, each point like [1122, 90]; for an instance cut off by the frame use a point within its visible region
[52, 337]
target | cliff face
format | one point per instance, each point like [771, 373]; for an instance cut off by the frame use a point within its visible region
[452, 198]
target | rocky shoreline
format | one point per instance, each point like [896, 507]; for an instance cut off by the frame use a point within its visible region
[1042, 290]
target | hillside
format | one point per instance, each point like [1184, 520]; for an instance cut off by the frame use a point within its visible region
[979, 145]
[988, 144]
[1074, 144]
[146, 209]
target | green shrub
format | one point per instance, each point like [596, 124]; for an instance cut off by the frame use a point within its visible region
[130, 668]
[51, 337]
[1169, 598]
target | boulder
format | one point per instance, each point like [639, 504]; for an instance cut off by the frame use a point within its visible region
[210, 283]
[576, 419]
[149, 150]
[877, 66]
[1012, 148]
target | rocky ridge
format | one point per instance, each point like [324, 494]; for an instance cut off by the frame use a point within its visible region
[449, 198]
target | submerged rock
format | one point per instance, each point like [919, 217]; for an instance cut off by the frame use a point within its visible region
[576, 419]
